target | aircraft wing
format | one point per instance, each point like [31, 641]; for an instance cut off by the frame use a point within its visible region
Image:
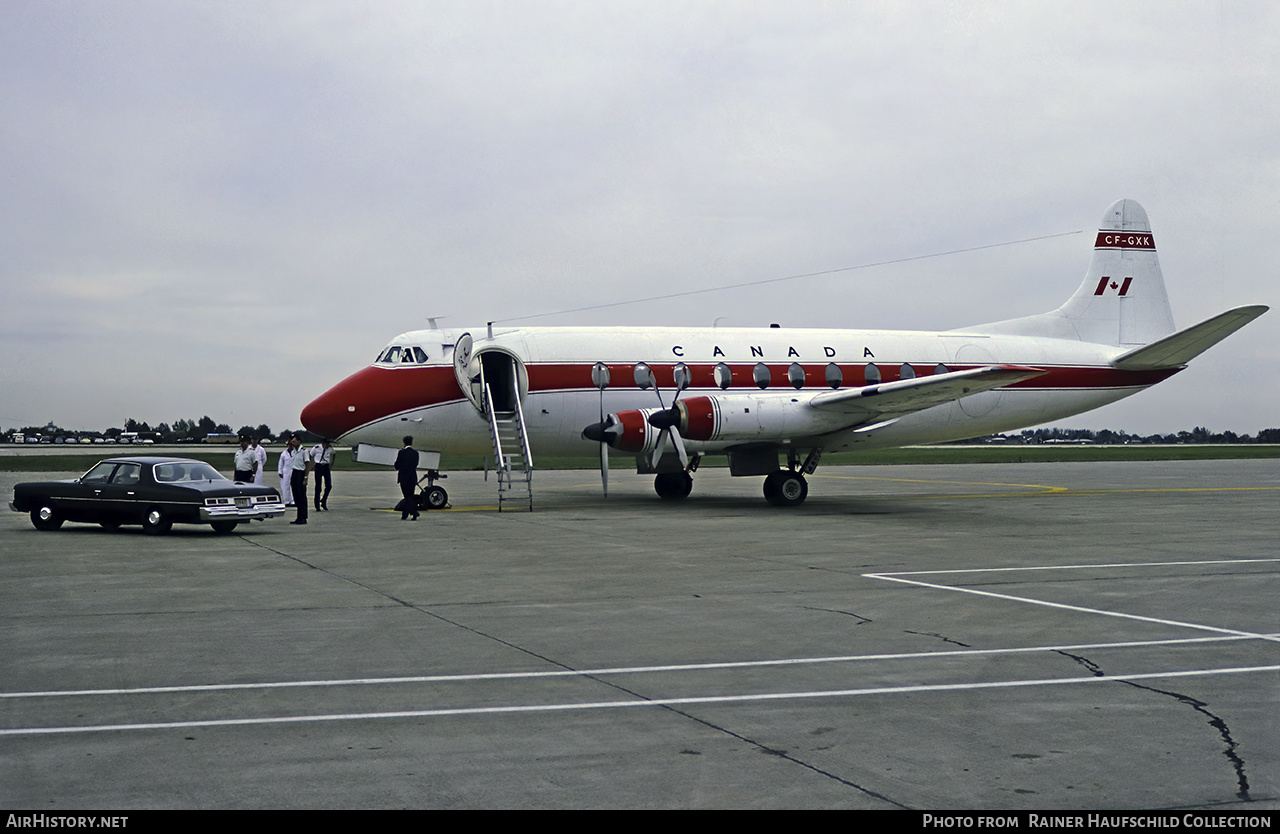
[1177, 349]
[904, 396]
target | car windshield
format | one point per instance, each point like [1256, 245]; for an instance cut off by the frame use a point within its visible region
[189, 470]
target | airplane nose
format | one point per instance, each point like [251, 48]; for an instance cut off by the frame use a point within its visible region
[351, 403]
[323, 416]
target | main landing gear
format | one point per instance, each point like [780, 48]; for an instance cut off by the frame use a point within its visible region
[672, 486]
[785, 488]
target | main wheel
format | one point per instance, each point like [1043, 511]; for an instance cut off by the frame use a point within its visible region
[156, 522]
[433, 498]
[672, 486]
[223, 526]
[46, 518]
[785, 488]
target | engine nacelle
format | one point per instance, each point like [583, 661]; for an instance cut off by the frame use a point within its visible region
[716, 420]
[626, 431]
[746, 417]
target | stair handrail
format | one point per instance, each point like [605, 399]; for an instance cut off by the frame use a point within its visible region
[524, 434]
[499, 458]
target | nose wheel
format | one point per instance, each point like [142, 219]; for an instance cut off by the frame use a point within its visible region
[432, 497]
[785, 488]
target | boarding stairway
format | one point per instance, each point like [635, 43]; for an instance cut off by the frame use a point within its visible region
[511, 456]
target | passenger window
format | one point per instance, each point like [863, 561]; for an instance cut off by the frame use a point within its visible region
[941, 369]
[871, 374]
[724, 376]
[795, 375]
[835, 377]
[906, 372]
[760, 374]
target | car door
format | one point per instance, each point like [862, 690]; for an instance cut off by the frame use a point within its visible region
[117, 499]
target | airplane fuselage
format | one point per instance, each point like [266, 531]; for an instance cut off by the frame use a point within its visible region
[423, 396]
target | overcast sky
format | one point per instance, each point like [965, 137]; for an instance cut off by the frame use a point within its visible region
[225, 207]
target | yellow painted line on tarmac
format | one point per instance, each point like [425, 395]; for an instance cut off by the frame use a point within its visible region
[1039, 489]
[436, 512]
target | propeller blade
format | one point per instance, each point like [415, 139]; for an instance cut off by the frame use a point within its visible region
[668, 420]
[679, 441]
[604, 468]
[600, 379]
[657, 447]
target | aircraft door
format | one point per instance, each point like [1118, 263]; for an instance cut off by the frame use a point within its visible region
[506, 377]
[981, 404]
[497, 367]
[466, 368]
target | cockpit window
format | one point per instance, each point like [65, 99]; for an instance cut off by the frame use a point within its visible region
[403, 355]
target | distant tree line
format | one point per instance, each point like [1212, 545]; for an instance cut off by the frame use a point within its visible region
[181, 431]
[1107, 437]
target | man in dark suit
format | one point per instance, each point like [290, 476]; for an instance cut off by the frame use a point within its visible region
[407, 477]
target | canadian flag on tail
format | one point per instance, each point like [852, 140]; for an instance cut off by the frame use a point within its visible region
[1106, 284]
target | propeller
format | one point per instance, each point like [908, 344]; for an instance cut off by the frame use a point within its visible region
[668, 419]
[600, 379]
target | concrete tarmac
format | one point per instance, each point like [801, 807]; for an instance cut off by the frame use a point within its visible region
[1019, 636]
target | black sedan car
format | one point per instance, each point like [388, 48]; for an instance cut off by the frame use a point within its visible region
[155, 492]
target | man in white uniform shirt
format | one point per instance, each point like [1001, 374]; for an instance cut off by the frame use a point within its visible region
[300, 468]
[285, 470]
[246, 463]
[260, 455]
[322, 456]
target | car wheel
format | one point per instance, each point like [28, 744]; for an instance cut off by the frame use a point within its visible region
[46, 518]
[435, 498]
[156, 522]
[223, 526]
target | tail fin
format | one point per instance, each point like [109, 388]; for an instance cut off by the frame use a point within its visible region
[1122, 300]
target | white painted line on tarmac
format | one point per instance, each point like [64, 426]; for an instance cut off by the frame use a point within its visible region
[656, 702]
[899, 577]
[626, 670]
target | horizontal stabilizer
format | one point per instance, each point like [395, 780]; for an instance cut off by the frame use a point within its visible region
[1177, 349]
[907, 395]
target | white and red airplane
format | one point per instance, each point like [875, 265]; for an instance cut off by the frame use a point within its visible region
[774, 399]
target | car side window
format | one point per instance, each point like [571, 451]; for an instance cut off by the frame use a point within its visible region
[99, 474]
[127, 474]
